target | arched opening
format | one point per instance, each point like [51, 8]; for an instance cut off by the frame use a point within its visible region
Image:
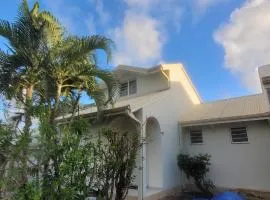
[153, 154]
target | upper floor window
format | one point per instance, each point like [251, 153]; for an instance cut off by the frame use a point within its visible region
[196, 136]
[239, 135]
[128, 88]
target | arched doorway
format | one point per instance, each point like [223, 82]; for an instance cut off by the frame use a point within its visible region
[153, 154]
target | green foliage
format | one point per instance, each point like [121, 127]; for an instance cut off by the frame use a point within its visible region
[116, 162]
[197, 167]
[46, 71]
[30, 191]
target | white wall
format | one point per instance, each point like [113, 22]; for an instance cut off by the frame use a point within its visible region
[236, 165]
[151, 83]
[167, 110]
[146, 84]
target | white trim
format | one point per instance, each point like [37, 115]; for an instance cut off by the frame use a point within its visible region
[223, 122]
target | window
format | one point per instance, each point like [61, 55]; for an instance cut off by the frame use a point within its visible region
[268, 94]
[128, 88]
[196, 136]
[124, 89]
[132, 87]
[239, 135]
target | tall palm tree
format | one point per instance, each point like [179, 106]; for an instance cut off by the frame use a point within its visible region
[73, 69]
[42, 66]
[22, 63]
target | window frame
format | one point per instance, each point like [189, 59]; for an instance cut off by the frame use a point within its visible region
[196, 129]
[239, 126]
[127, 92]
[128, 87]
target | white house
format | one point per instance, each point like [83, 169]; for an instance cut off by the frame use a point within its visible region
[162, 104]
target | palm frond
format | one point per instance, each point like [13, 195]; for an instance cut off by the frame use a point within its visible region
[110, 81]
[6, 30]
[54, 29]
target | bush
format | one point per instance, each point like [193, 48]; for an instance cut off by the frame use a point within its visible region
[197, 167]
[116, 152]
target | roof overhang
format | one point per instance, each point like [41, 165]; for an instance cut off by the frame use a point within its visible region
[93, 115]
[124, 110]
[258, 117]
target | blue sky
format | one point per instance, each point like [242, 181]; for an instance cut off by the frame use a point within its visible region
[220, 42]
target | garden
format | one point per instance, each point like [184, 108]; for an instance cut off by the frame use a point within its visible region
[45, 71]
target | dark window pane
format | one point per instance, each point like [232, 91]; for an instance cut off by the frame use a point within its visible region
[123, 89]
[132, 87]
[239, 134]
[196, 137]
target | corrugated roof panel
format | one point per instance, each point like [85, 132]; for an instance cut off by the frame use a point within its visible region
[246, 106]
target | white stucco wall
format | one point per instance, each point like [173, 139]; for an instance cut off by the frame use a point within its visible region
[151, 83]
[236, 165]
[146, 84]
[167, 110]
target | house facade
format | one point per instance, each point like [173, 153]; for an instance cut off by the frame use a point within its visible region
[162, 105]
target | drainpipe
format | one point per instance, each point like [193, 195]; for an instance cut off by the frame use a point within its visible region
[181, 145]
[141, 185]
[168, 78]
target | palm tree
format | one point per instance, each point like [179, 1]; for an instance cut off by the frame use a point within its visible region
[22, 63]
[42, 67]
[73, 69]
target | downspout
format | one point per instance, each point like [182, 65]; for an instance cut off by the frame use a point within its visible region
[181, 144]
[161, 69]
[141, 186]
[168, 78]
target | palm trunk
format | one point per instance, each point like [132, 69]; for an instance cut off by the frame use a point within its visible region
[75, 105]
[26, 133]
[54, 156]
[56, 103]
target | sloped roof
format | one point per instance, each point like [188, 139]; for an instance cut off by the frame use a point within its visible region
[245, 107]
[133, 103]
[137, 69]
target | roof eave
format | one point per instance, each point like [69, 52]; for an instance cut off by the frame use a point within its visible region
[262, 116]
[106, 113]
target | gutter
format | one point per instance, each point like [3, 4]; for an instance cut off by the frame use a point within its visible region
[93, 115]
[258, 117]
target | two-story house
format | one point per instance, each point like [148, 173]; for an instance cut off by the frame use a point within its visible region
[162, 105]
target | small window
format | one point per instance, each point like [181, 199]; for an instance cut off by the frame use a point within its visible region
[124, 89]
[239, 135]
[196, 136]
[128, 88]
[268, 94]
[132, 87]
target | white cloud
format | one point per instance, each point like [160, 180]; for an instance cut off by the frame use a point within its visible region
[90, 24]
[103, 15]
[203, 5]
[200, 7]
[141, 36]
[139, 40]
[245, 39]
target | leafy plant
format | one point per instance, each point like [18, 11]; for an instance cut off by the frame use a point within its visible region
[117, 153]
[46, 71]
[197, 167]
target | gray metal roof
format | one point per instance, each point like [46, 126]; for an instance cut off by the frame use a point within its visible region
[246, 107]
[133, 103]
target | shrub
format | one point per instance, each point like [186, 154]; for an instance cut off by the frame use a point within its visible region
[116, 160]
[197, 167]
